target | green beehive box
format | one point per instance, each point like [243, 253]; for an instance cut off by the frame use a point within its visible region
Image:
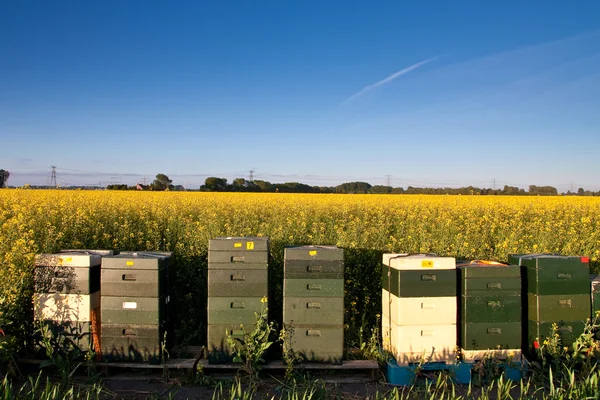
[419, 283]
[324, 343]
[68, 273]
[127, 342]
[313, 310]
[491, 336]
[218, 347]
[313, 269]
[136, 261]
[554, 308]
[483, 279]
[239, 259]
[234, 310]
[239, 266]
[555, 275]
[569, 331]
[237, 283]
[310, 253]
[134, 283]
[133, 310]
[239, 244]
[595, 289]
[490, 309]
[313, 287]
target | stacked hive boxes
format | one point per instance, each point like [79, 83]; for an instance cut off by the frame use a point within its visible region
[67, 295]
[237, 285]
[167, 288]
[558, 292]
[313, 302]
[490, 308]
[419, 308]
[595, 281]
[134, 306]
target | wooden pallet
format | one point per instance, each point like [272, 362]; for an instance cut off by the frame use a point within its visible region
[351, 371]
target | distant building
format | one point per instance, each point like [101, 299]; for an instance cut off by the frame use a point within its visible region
[139, 186]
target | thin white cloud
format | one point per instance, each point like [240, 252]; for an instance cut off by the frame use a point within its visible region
[389, 79]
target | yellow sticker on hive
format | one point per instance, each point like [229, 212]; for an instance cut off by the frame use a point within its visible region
[129, 263]
[237, 245]
[312, 253]
[68, 259]
[249, 245]
[426, 264]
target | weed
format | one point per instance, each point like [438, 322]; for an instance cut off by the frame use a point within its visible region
[250, 349]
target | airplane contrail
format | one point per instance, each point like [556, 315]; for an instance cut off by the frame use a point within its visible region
[389, 79]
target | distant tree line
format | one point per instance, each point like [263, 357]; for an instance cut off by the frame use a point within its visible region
[214, 184]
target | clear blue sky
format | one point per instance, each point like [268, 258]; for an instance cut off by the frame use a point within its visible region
[111, 91]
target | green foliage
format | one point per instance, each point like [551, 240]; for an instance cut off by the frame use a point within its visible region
[35, 388]
[4, 175]
[236, 392]
[249, 350]
[353, 187]
[61, 354]
[161, 183]
[371, 349]
[288, 355]
[213, 184]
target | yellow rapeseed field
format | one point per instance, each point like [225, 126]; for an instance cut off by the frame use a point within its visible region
[471, 227]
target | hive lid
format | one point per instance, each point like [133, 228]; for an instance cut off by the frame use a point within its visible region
[68, 259]
[139, 260]
[313, 253]
[87, 251]
[408, 261]
[258, 243]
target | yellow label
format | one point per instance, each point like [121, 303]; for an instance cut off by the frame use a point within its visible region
[129, 263]
[249, 245]
[312, 253]
[68, 259]
[426, 264]
[237, 245]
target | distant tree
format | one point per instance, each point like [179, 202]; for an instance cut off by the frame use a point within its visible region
[263, 186]
[580, 192]
[3, 177]
[295, 187]
[239, 184]
[117, 187]
[214, 184]
[353, 187]
[379, 189]
[542, 190]
[162, 182]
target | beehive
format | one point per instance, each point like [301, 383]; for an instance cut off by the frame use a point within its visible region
[134, 306]
[67, 295]
[419, 307]
[558, 292]
[490, 310]
[237, 286]
[313, 302]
